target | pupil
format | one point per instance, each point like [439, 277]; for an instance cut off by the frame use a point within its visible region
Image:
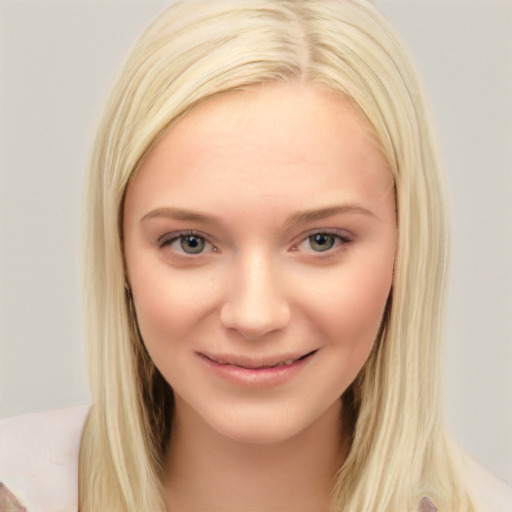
[321, 242]
[192, 244]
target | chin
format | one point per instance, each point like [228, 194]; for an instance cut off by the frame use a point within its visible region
[262, 434]
[260, 425]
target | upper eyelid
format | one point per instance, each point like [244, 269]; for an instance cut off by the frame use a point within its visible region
[174, 235]
[337, 232]
[166, 240]
[170, 237]
[344, 238]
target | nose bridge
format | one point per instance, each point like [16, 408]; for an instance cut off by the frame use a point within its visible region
[256, 303]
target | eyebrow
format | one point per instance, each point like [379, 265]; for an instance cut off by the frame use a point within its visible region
[323, 213]
[180, 214]
[305, 216]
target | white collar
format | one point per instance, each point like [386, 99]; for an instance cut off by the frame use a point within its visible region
[39, 458]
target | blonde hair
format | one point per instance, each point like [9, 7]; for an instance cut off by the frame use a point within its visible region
[193, 51]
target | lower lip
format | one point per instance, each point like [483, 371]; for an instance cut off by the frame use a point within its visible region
[256, 377]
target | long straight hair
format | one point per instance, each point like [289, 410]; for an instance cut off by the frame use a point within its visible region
[194, 51]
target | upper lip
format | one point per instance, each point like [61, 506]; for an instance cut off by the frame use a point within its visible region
[253, 362]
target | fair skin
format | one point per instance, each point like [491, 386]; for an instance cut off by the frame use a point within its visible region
[260, 239]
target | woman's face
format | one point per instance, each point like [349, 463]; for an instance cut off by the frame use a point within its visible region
[260, 239]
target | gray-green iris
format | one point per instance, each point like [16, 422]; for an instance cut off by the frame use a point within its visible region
[321, 242]
[192, 244]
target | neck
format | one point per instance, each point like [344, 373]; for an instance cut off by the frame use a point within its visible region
[208, 471]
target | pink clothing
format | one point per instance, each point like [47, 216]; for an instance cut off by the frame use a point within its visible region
[39, 466]
[39, 459]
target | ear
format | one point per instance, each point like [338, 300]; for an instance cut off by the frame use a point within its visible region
[426, 505]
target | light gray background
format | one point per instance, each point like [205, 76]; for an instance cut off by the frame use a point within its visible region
[56, 60]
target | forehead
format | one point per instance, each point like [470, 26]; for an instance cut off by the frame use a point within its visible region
[256, 114]
[274, 139]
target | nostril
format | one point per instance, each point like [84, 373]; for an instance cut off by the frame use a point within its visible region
[256, 320]
[255, 303]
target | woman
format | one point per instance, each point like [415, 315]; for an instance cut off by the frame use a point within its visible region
[265, 234]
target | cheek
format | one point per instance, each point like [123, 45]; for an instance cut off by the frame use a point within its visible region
[349, 310]
[163, 311]
[363, 302]
[169, 305]
[163, 316]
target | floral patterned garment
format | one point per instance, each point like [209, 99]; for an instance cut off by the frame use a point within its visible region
[426, 505]
[8, 502]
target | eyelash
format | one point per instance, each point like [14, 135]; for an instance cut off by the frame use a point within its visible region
[169, 238]
[342, 237]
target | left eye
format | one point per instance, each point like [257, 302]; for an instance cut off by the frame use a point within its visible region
[322, 242]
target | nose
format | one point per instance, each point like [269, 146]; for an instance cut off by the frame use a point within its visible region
[255, 303]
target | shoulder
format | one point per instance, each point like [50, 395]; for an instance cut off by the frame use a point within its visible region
[490, 493]
[39, 454]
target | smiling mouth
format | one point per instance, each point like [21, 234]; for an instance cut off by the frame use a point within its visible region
[253, 365]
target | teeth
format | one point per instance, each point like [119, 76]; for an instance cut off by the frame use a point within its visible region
[288, 362]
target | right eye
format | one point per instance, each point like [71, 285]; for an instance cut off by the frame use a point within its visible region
[192, 244]
[186, 243]
[321, 242]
